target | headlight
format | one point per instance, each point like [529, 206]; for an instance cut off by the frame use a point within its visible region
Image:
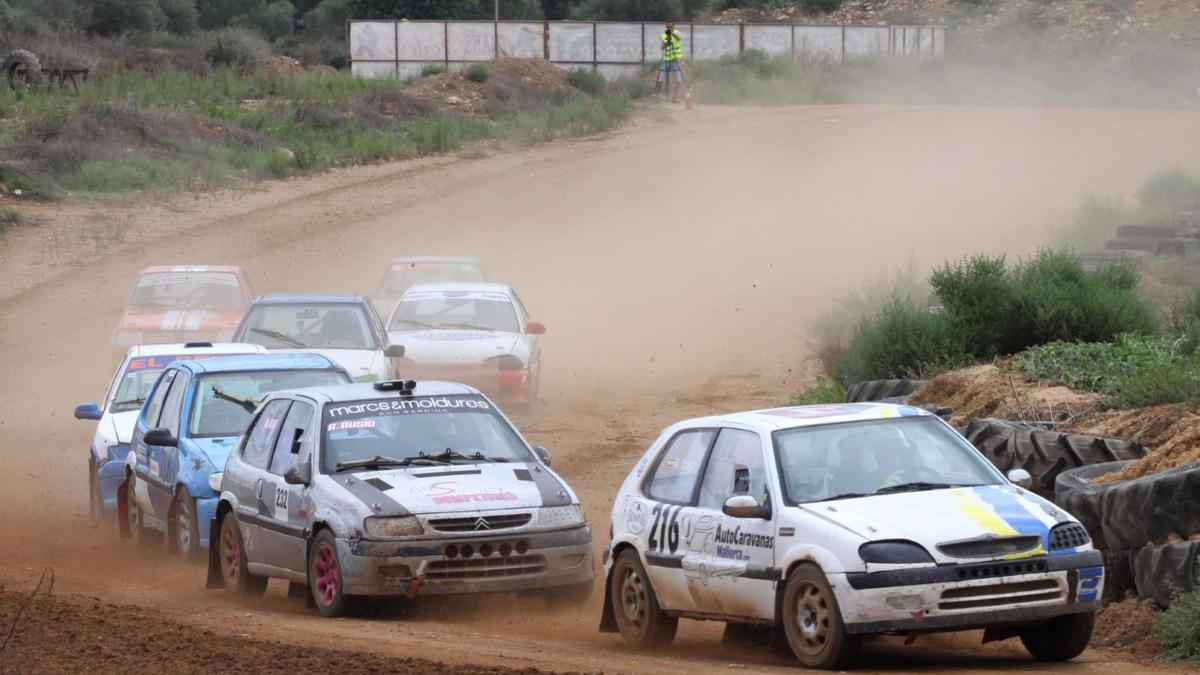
[896, 552]
[560, 516]
[384, 527]
[214, 481]
[504, 362]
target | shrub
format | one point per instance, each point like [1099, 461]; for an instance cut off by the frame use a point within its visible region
[477, 72]
[902, 339]
[824, 390]
[328, 20]
[182, 16]
[820, 6]
[1166, 190]
[1095, 220]
[588, 81]
[432, 69]
[272, 20]
[237, 47]
[1179, 627]
[112, 17]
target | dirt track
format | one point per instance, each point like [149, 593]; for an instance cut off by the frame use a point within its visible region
[676, 265]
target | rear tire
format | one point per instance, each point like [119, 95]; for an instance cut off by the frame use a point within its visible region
[640, 620]
[232, 558]
[185, 535]
[812, 621]
[1060, 639]
[325, 576]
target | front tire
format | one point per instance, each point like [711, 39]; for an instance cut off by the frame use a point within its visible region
[186, 535]
[232, 557]
[640, 620]
[812, 621]
[325, 576]
[1060, 639]
[95, 500]
[133, 512]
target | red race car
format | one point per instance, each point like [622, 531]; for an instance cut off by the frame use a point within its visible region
[199, 303]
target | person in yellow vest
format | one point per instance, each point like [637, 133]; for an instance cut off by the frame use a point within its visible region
[672, 56]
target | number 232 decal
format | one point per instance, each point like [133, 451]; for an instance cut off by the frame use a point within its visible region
[664, 533]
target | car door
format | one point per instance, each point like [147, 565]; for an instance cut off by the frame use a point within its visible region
[663, 511]
[731, 561]
[248, 481]
[163, 459]
[147, 420]
[283, 527]
[392, 369]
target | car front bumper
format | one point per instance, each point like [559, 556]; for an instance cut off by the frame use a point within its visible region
[503, 386]
[956, 597]
[535, 561]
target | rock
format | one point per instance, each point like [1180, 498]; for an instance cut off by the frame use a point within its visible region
[454, 100]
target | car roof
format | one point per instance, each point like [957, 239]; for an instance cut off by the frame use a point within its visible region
[195, 348]
[449, 259]
[367, 390]
[226, 364]
[310, 299]
[156, 269]
[791, 417]
[461, 287]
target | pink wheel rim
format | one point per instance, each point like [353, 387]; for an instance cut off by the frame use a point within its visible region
[231, 554]
[325, 567]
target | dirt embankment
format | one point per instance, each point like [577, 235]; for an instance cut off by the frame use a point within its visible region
[988, 391]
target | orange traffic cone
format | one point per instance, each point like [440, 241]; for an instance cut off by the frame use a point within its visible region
[687, 99]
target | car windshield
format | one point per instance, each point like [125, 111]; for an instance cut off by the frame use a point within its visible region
[141, 372]
[454, 310]
[294, 326]
[224, 401]
[417, 431]
[188, 290]
[402, 275]
[855, 459]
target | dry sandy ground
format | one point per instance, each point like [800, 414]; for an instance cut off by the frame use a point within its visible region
[676, 264]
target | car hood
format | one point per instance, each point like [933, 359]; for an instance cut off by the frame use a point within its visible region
[941, 516]
[360, 363]
[180, 320]
[216, 449]
[450, 489]
[455, 346]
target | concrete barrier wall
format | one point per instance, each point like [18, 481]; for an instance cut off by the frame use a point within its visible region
[403, 48]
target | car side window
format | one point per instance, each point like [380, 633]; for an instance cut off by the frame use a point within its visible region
[678, 468]
[173, 405]
[154, 406]
[257, 451]
[735, 466]
[295, 429]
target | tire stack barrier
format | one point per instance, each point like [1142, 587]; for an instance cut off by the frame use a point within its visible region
[879, 390]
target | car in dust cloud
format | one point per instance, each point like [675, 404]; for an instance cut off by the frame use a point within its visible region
[190, 421]
[475, 333]
[192, 303]
[342, 326]
[400, 488]
[833, 522]
[118, 411]
[407, 271]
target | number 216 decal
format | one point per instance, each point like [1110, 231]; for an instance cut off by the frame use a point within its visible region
[664, 533]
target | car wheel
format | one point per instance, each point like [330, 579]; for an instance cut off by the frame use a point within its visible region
[325, 576]
[133, 512]
[232, 556]
[1059, 639]
[812, 621]
[186, 533]
[95, 500]
[639, 618]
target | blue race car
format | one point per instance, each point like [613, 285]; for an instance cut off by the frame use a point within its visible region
[191, 419]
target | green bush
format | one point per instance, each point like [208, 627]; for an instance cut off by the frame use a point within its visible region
[820, 6]
[1095, 220]
[477, 72]
[328, 20]
[272, 21]
[588, 81]
[824, 390]
[902, 339]
[237, 47]
[1179, 627]
[113, 17]
[1166, 190]
[432, 69]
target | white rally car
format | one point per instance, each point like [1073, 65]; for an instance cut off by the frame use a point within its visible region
[476, 333]
[832, 522]
[394, 488]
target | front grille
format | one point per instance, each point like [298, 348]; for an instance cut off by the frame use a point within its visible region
[480, 523]
[992, 546]
[1000, 595]
[1068, 535]
[486, 568]
[1008, 569]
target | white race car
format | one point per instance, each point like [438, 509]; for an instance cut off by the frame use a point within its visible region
[476, 333]
[121, 405]
[831, 522]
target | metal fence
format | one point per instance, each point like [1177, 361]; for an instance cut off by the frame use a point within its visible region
[403, 48]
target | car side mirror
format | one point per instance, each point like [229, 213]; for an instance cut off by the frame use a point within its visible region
[1020, 478]
[160, 436]
[535, 328]
[745, 506]
[88, 411]
[299, 474]
[543, 454]
[394, 351]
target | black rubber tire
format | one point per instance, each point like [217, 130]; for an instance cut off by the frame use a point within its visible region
[1155, 245]
[133, 514]
[1157, 231]
[877, 390]
[1151, 509]
[325, 584]
[1161, 572]
[236, 579]
[1118, 575]
[1044, 454]
[812, 621]
[1075, 492]
[1060, 639]
[184, 535]
[651, 628]
[22, 60]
